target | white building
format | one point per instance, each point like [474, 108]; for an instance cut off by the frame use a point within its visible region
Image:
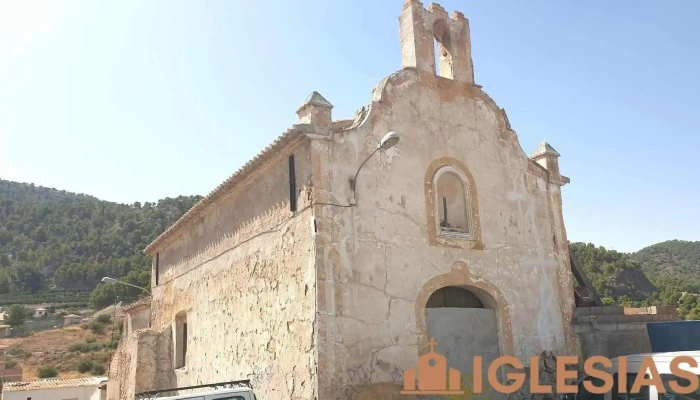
[92, 388]
[39, 312]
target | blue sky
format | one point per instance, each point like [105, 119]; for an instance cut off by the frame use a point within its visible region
[140, 100]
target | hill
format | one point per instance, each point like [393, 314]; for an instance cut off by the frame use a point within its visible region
[56, 240]
[671, 259]
[56, 245]
[666, 273]
[615, 275]
[53, 348]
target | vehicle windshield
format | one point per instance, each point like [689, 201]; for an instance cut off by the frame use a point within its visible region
[625, 393]
[618, 394]
[671, 394]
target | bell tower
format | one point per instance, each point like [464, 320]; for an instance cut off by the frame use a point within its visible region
[420, 28]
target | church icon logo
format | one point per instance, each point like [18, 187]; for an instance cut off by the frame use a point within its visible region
[433, 375]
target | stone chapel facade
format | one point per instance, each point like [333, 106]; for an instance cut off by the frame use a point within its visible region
[456, 234]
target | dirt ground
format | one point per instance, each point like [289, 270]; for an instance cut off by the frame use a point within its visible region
[51, 348]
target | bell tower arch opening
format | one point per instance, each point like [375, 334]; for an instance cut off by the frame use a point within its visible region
[436, 42]
[443, 56]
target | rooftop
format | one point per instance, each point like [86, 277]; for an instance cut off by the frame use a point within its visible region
[53, 384]
[227, 186]
[545, 148]
[146, 301]
[315, 98]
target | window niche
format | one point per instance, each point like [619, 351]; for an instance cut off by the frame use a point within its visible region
[180, 339]
[452, 205]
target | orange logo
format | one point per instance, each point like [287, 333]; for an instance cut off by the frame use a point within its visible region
[433, 375]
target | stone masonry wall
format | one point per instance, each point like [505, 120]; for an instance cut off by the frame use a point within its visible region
[244, 277]
[376, 267]
[616, 331]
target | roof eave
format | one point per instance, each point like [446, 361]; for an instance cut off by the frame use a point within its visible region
[289, 138]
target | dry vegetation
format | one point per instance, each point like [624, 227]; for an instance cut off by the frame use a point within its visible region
[51, 347]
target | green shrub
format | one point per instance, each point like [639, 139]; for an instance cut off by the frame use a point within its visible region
[98, 370]
[84, 365]
[104, 318]
[95, 346]
[84, 326]
[48, 371]
[11, 363]
[86, 347]
[75, 347]
[97, 327]
[91, 339]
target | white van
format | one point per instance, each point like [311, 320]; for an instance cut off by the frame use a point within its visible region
[237, 390]
[226, 394]
[634, 362]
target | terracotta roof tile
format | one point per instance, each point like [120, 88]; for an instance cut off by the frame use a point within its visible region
[137, 304]
[53, 384]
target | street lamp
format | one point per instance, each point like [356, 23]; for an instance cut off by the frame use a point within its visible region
[388, 141]
[107, 279]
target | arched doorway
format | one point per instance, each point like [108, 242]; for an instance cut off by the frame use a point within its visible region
[463, 322]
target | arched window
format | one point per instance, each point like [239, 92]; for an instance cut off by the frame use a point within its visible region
[453, 297]
[452, 205]
[452, 202]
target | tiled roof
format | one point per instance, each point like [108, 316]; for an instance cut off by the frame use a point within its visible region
[229, 184]
[137, 304]
[52, 384]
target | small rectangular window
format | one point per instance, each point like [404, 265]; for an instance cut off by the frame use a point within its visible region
[292, 185]
[180, 339]
[157, 267]
[184, 343]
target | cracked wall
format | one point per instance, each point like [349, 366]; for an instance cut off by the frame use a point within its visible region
[244, 276]
[376, 264]
[134, 364]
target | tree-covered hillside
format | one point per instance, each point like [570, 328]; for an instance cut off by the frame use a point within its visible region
[671, 259]
[614, 275]
[56, 240]
[52, 240]
[656, 275]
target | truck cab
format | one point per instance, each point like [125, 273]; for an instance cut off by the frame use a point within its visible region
[662, 361]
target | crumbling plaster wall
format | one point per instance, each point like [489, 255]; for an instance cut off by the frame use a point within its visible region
[139, 319]
[244, 275]
[133, 365]
[376, 268]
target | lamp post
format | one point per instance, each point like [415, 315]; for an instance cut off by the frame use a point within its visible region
[107, 279]
[388, 141]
